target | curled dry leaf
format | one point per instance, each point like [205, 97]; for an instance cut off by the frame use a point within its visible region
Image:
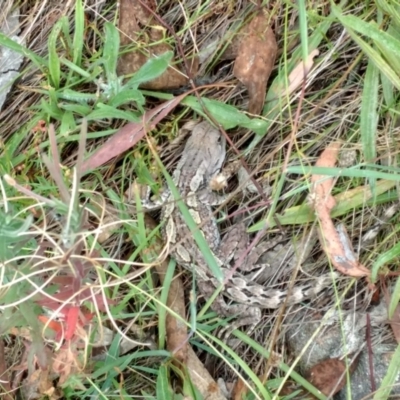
[298, 74]
[335, 242]
[329, 376]
[255, 59]
[132, 16]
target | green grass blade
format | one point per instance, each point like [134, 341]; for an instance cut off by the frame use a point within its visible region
[388, 93]
[350, 22]
[347, 201]
[350, 172]
[394, 301]
[388, 45]
[369, 115]
[392, 9]
[389, 380]
[197, 234]
[376, 58]
[162, 387]
[162, 311]
[78, 33]
[40, 62]
[303, 29]
[75, 68]
[384, 258]
[274, 105]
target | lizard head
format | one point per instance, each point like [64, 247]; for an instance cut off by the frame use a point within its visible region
[204, 154]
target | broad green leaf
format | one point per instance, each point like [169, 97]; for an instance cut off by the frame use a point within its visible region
[80, 109]
[66, 36]
[50, 109]
[68, 124]
[228, 116]
[126, 96]
[151, 69]
[110, 51]
[105, 111]
[12, 232]
[10, 317]
[376, 58]
[369, 114]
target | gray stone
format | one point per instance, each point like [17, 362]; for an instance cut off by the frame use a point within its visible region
[10, 60]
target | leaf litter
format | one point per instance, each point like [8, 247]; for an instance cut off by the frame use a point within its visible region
[333, 240]
[256, 53]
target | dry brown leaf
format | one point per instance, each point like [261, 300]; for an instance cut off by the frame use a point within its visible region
[329, 376]
[255, 59]
[240, 390]
[335, 242]
[66, 362]
[39, 384]
[206, 385]
[132, 16]
[129, 135]
[298, 74]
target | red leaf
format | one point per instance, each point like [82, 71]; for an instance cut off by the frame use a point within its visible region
[129, 135]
